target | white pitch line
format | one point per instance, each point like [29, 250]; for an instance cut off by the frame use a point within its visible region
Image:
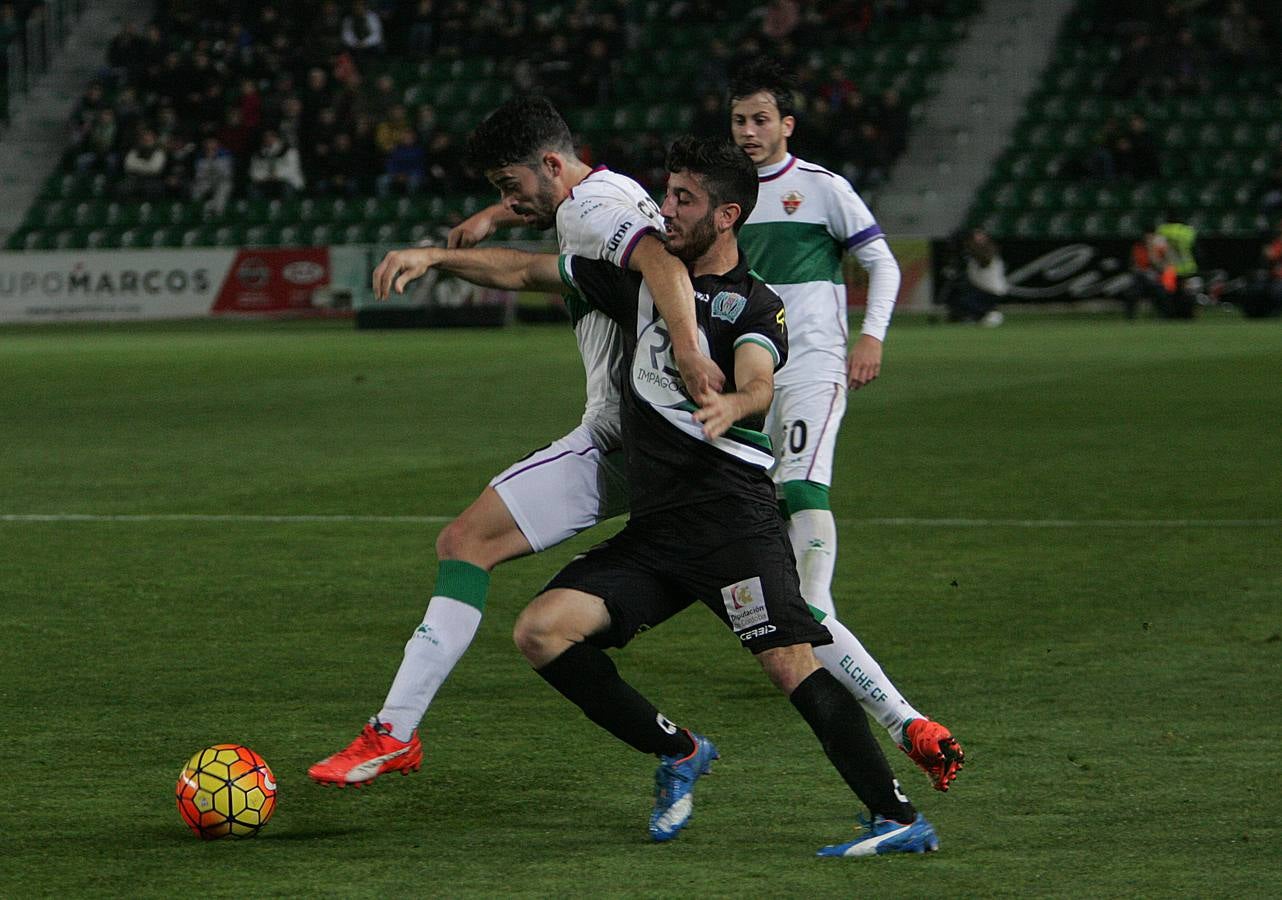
[441, 520]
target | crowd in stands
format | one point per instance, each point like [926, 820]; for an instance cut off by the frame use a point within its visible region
[220, 98]
[1167, 52]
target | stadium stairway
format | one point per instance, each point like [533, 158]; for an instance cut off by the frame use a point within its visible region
[36, 138]
[966, 124]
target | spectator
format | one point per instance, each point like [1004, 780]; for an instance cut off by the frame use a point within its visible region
[250, 105]
[780, 20]
[1183, 281]
[1152, 276]
[404, 167]
[100, 147]
[378, 104]
[892, 119]
[180, 155]
[275, 170]
[214, 176]
[1264, 297]
[986, 284]
[389, 132]
[335, 172]
[422, 28]
[363, 31]
[144, 168]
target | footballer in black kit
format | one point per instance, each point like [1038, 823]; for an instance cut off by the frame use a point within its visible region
[704, 519]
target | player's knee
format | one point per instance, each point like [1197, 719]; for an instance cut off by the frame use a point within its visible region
[787, 667]
[536, 636]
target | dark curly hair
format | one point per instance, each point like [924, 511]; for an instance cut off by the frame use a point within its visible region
[516, 133]
[724, 170]
[766, 75]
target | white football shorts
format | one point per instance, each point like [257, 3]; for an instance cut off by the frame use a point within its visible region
[563, 488]
[803, 423]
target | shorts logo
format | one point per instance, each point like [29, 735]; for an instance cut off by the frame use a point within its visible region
[745, 604]
[792, 201]
[760, 632]
[728, 306]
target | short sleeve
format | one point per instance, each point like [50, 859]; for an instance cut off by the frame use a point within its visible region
[764, 323]
[602, 285]
[605, 226]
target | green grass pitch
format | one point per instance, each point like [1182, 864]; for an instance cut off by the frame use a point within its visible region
[1061, 537]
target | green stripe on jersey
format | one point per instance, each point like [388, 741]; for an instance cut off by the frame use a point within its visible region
[757, 439]
[575, 305]
[792, 252]
[760, 341]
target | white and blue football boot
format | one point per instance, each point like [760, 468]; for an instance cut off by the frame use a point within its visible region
[882, 836]
[674, 787]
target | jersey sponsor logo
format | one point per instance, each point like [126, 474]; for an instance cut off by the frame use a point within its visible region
[654, 372]
[792, 201]
[757, 632]
[728, 306]
[745, 603]
[617, 238]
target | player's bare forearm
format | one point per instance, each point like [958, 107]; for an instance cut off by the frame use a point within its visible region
[669, 283]
[480, 225]
[495, 267]
[755, 383]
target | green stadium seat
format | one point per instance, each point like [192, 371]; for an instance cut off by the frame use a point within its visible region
[231, 235]
[199, 236]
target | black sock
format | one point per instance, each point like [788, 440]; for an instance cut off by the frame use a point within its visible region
[586, 677]
[839, 722]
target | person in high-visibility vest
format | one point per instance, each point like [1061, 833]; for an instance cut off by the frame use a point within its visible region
[1181, 265]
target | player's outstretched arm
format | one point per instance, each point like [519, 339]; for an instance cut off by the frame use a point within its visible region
[669, 284]
[480, 225]
[496, 267]
[754, 374]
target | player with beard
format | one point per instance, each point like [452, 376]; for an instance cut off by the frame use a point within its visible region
[525, 150]
[704, 523]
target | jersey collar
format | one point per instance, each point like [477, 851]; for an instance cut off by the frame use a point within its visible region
[771, 172]
[570, 196]
[738, 275]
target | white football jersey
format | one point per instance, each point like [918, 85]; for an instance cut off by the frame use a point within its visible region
[603, 218]
[805, 220]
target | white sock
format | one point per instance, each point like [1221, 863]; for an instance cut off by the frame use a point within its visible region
[431, 654]
[860, 674]
[813, 533]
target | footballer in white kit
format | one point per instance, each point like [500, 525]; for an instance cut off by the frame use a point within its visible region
[806, 219]
[577, 481]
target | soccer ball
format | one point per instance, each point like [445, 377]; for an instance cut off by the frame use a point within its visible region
[226, 791]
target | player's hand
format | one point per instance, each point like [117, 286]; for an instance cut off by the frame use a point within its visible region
[400, 267]
[864, 364]
[471, 231]
[702, 377]
[717, 413]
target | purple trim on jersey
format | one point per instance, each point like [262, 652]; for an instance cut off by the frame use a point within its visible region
[544, 462]
[836, 388]
[764, 178]
[632, 244]
[570, 196]
[871, 233]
